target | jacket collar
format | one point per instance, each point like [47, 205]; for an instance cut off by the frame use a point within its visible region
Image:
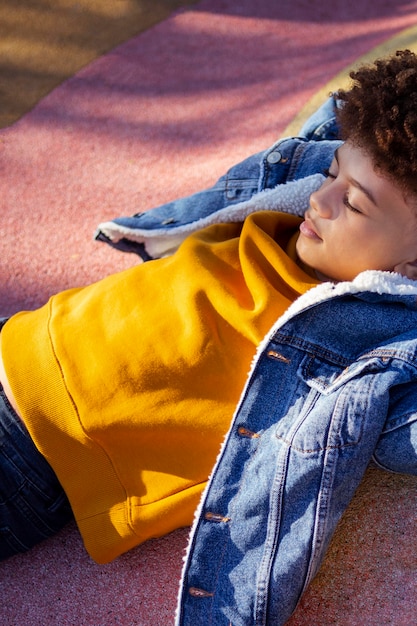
[387, 285]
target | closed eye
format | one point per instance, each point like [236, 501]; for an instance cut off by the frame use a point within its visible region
[327, 173]
[349, 206]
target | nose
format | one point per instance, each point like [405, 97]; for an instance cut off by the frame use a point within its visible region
[323, 203]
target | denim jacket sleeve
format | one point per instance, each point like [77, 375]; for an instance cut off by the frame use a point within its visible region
[396, 450]
[287, 160]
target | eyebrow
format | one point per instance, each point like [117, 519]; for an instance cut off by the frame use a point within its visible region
[356, 183]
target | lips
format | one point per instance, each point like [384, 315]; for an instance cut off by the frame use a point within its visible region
[307, 229]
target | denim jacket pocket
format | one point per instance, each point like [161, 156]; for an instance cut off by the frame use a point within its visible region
[335, 404]
[327, 377]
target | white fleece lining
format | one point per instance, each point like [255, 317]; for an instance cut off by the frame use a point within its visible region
[373, 281]
[293, 197]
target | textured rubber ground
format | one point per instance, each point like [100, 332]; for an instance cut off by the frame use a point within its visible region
[159, 116]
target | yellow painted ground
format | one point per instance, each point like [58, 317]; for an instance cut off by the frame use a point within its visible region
[43, 42]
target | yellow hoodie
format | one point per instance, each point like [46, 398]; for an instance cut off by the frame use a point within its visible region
[128, 386]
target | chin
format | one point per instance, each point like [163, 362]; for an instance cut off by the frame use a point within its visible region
[324, 278]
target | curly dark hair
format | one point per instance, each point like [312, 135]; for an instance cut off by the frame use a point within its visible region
[379, 114]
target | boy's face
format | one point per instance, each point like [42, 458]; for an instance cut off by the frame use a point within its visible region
[358, 220]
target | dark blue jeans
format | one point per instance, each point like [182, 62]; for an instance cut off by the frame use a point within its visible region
[33, 505]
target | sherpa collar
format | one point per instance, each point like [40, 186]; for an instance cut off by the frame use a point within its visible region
[292, 197]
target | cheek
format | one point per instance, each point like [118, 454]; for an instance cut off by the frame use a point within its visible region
[354, 241]
[376, 253]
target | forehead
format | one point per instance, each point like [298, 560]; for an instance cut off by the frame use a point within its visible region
[357, 169]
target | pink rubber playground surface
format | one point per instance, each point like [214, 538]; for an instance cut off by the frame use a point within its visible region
[161, 116]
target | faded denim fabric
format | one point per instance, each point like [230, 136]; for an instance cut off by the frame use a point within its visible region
[331, 386]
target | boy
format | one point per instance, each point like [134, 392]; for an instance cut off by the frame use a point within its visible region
[129, 399]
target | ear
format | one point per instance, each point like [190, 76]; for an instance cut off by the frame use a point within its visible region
[407, 268]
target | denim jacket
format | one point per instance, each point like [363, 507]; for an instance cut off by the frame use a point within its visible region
[158, 232]
[331, 388]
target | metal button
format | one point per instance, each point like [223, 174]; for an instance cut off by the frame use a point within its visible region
[274, 157]
[231, 193]
[245, 432]
[199, 593]
[215, 517]
[273, 354]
